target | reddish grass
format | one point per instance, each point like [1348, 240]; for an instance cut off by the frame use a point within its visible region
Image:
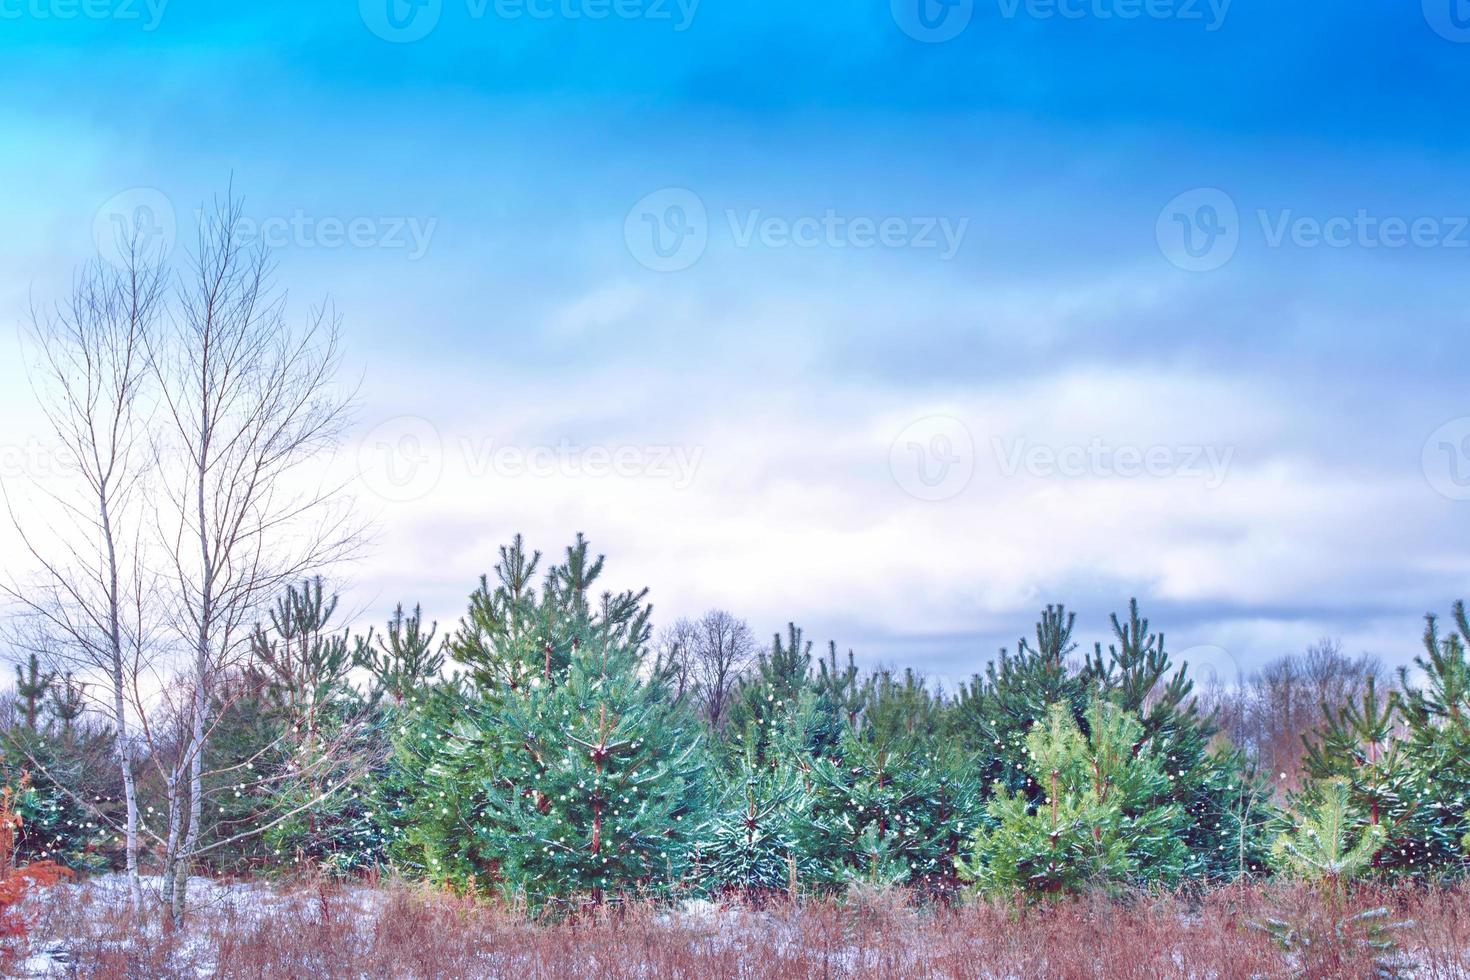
[17, 882]
[400, 931]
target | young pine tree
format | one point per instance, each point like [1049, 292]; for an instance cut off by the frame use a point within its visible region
[1328, 842]
[898, 804]
[770, 695]
[565, 771]
[1226, 834]
[403, 660]
[760, 837]
[31, 686]
[995, 713]
[1437, 715]
[1357, 746]
[894, 808]
[67, 704]
[294, 738]
[1098, 824]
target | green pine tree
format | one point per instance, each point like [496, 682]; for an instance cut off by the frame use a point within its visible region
[772, 693]
[760, 836]
[559, 770]
[402, 660]
[1437, 715]
[1357, 746]
[892, 806]
[838, 688]
[994, 714]
[31, 686]
[67, 704]
[1099, 824]
[1329, 842]
[1227, 834]
[292, 735]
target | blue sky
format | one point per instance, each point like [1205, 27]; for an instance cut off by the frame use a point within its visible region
[506, 170]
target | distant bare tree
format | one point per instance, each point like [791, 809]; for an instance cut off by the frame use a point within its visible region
[722, 649]
[246, 401]
[1333, 678]
[1274, 708]
[704, 659]
[673, 658]
[85, 606]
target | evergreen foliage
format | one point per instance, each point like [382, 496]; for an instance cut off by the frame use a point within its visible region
[1329, 841]
[773, 692]
[893, 811]
[1437, 744]
[403, 660]
[565, 771]
[48, 778]
[995, 713]
[541, 752]
[67, 703]
[1100, 824]
[1404, 759]
[31, 686]
[761, 837]
[1213, 786]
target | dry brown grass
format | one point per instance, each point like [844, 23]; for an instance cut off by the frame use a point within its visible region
[400, 931]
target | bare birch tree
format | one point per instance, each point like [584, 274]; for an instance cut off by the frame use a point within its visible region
[86, 603]
[246, 401]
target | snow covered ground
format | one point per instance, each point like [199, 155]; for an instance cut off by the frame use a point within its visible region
[94, 912]
[405, 932]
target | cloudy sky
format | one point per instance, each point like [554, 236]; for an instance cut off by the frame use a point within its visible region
[898, 319]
